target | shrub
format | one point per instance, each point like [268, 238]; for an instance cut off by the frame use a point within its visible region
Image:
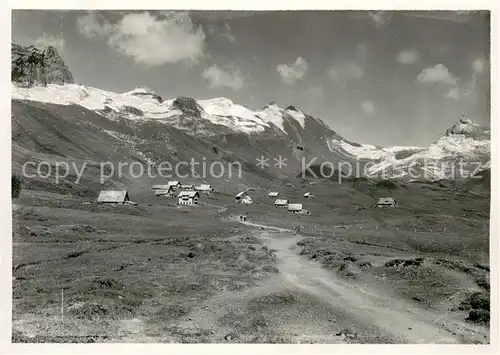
[16, 186]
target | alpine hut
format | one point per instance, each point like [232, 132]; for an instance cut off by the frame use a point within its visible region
[247, 200]
[204, 188]
[280, 203]
[188, 197]
[116, 197]
[297, 208]
[240, 195]
[386, 202]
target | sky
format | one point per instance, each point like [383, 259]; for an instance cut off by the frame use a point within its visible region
[375, 77]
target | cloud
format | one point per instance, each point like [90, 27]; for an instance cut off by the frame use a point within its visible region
[437, 74]
[47, 39]
[219, 78]
[454, 93]
[408, 56]
[478, 65]
[290, 73]
[349, 70]
[379, 17]
[228, 34]
[168, 37]
[91, 26]
[368, 106]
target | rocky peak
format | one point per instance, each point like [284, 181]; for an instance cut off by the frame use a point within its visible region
[188, 106]
[32, 66]
[468, 128]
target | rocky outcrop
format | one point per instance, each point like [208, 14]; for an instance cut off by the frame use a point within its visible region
[467, 128]
[32, 66]
[188, 106]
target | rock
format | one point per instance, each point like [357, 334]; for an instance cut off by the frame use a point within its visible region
[32, 66]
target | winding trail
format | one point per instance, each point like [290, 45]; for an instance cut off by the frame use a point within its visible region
[394, 318]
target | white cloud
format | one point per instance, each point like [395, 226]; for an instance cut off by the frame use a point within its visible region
[219, 78]
[478, 65]
[290, 73]
[150, 40]
[379, 17]
[227, 33]
[91, 26]
[368, 106]
[47, 39]
[454, 93]
[437, 74]
[229, 36]
[350, 70]
[408, 56]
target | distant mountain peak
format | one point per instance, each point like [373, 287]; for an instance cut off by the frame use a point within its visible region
[467, 128]
[188, 105]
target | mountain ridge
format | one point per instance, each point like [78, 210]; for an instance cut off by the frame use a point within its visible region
[288, 132]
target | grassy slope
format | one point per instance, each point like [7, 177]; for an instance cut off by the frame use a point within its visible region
[158, 263]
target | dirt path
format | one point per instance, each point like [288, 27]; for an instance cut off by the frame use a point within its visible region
[398, 319]
[305, 303]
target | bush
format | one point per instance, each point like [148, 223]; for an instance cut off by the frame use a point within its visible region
[16, 186]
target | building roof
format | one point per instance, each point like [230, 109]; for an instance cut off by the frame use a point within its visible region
[112, 196]
[173, 183]
[273, 193]
[204, 187]
[307, 194]
[294, 206]
[247, 197]
[386, 200]
[162, 192]
[281, 202]
[241, 194]
[190, 194]
[161, 187]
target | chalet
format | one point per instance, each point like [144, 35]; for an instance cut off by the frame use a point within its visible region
[160, 187]
[241, 195]
[297, 208]
[386, 202]
[168, 191]
[204, 188]
[116, 197]
[174, 184]
[281, 203]
[308, 195]
[187, 187]
[188, 197]
[272, 194]
[247, 200]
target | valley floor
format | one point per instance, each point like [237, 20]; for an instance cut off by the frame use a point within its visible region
[199, 275]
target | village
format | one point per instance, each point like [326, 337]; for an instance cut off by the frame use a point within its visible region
[189, 195]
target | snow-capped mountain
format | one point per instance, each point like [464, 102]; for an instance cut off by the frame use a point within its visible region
[235, 129]
[143, 105]
[464, 149]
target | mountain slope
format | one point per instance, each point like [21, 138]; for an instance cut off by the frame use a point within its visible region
[212, 130]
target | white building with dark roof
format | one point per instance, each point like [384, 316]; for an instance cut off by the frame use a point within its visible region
[188, 197]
